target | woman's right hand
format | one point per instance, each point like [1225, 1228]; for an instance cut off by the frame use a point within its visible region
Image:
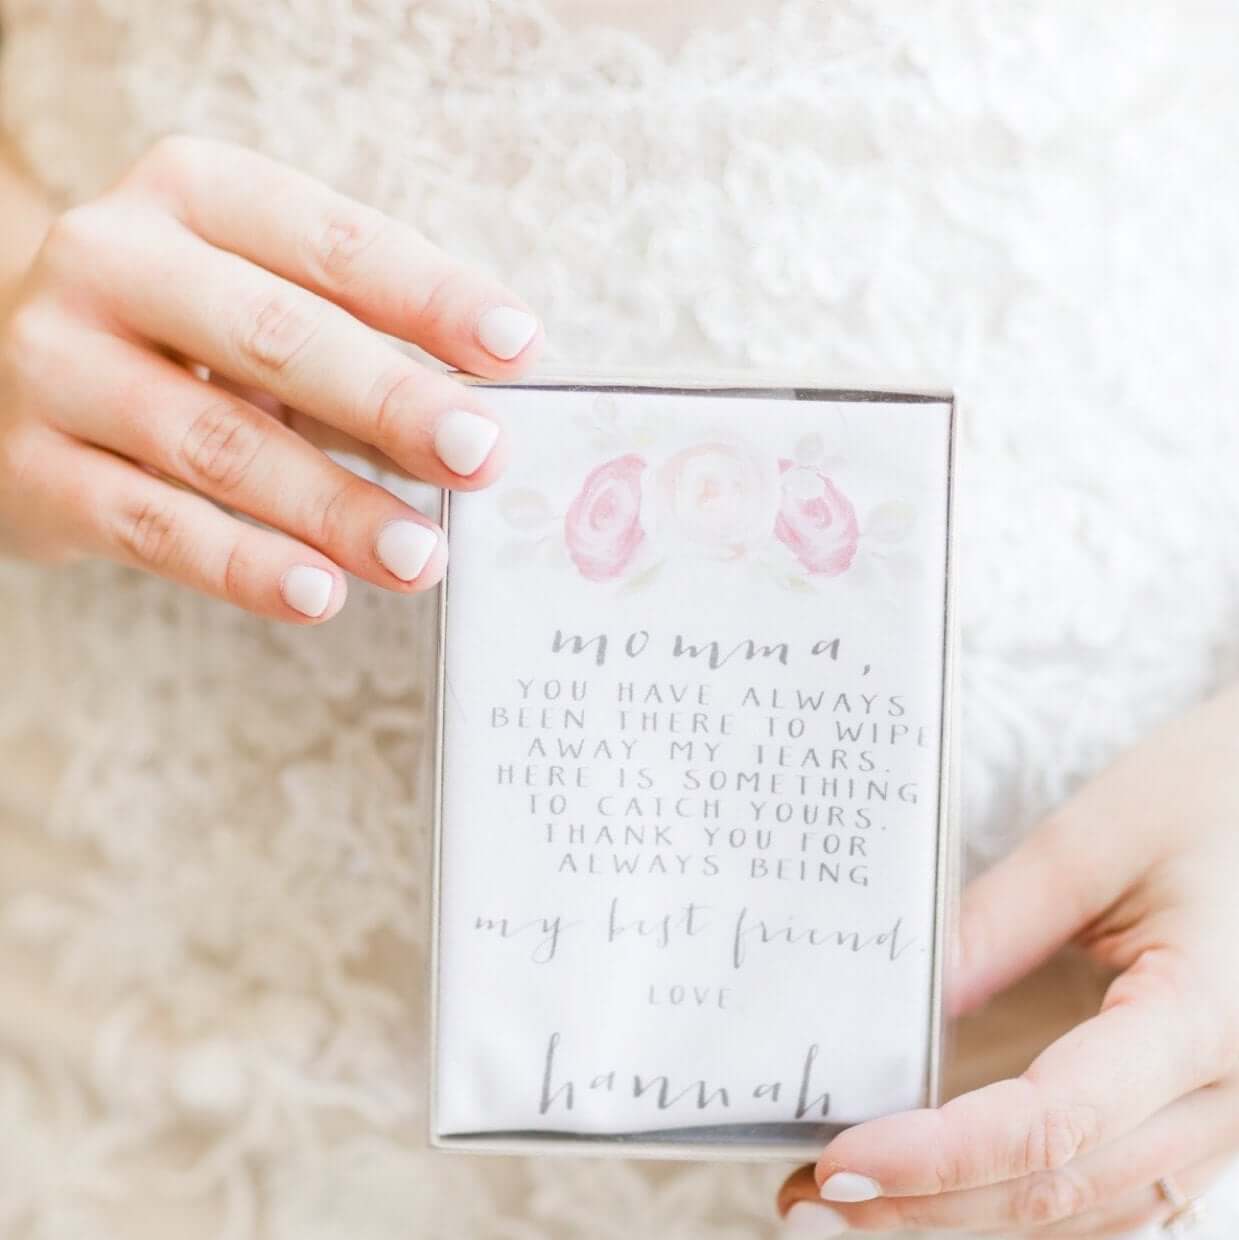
[209, 261]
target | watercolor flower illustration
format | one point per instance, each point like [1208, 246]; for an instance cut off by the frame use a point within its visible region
[781, 518]
[717, 499]
[816, 520]
[602, 529]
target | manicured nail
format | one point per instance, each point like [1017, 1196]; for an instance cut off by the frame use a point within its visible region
[848, 1186]
[504, 331]
[463, 440]
[307, 590]
[806, 1219]
[404, 547]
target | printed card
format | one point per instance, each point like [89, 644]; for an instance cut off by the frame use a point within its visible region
[690, 837]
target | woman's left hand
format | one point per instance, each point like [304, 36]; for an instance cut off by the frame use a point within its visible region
[1141, 870]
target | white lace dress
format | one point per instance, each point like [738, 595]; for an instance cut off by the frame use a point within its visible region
[213, 831]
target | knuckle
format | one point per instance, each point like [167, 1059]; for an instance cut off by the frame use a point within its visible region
[172, 159]
[1048, 1197]
[273, 330]
[233, 575]
[31, 339]
[1056, 1136]
[451, 285]
[953, 1171]
[328, 514]
[957, 1160]
[36, 348]
[73, 234]
[393, 398]
[149, 532]
[221, 445]
[344, 236]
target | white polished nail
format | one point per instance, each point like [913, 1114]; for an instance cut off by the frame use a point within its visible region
[848, 1186]
[405, 547]
[806, 1219]
[504, 331]
[463, 440]
[307, 590]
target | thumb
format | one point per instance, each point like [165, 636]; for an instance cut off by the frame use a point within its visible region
[1016, 915]
[1088, 853]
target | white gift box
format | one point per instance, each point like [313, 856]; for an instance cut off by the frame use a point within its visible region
[694, 842]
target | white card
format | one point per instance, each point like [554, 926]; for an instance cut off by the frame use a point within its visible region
[691, 760]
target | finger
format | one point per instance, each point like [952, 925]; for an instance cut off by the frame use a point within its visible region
[1016, 915]
[322, 436]
[1158, 1036]
[1051, 889]
[112, 508]
[1012, 918]
[259, 329]
[801, 1188]
[803, 1212]
[380, 270]
[1146, 1206]
[1191, 1129]
[150, 410]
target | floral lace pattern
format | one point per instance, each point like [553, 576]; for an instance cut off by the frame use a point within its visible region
[213, 894]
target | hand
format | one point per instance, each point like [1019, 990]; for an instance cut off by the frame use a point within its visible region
[1141, 869]
[110, 445]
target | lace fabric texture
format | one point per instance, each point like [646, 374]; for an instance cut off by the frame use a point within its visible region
[214, 859]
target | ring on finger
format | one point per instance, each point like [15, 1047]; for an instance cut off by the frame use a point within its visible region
[1186, 1213]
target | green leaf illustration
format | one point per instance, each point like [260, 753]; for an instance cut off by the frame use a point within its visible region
[643, 578]
[525, 509]
[809, 448]
[890, 522]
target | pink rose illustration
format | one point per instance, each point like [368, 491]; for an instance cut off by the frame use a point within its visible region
[718, 499]
[603, 526]
[816, 520]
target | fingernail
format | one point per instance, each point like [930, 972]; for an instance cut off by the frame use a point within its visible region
[463, 440]
[806, 1219]
[504, 331]
[404, 547]
[307, 590]
[848, 1186]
